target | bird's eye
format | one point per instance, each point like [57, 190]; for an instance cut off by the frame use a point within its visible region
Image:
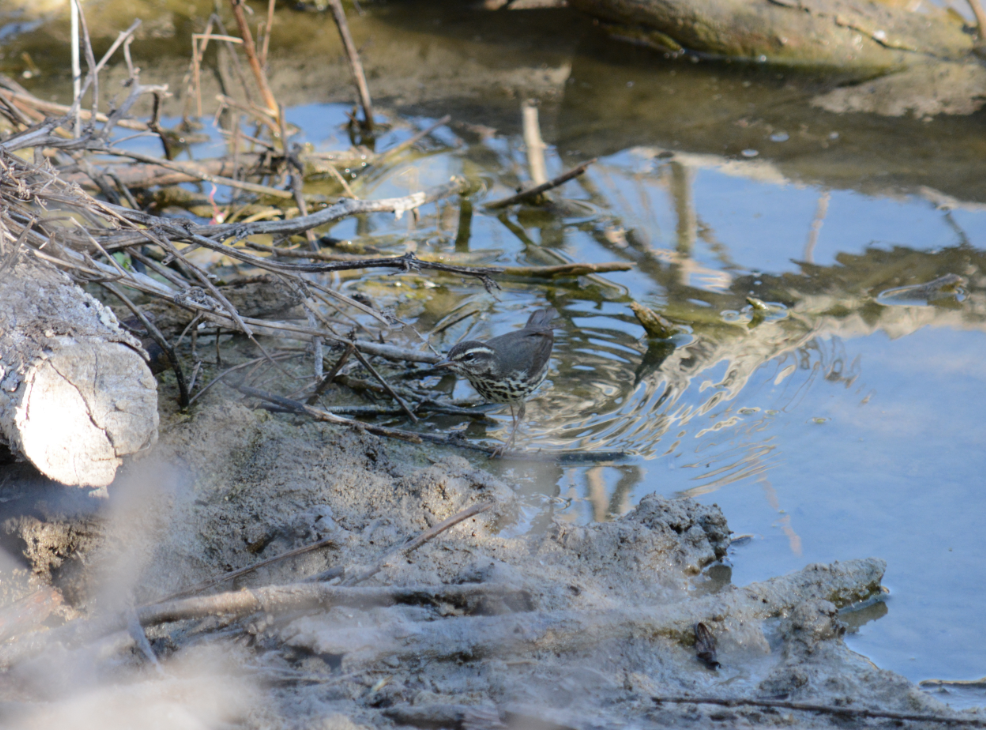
[468, 356]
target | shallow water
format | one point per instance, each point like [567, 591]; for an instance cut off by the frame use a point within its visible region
[837, 425]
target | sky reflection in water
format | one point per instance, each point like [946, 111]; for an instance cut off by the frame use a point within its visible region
[838, 429]
[835, 428]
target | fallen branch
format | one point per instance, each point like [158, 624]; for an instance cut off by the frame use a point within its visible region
[415, 437]
[204, 234]
[308, 596]
[50, 107]
[555, 272]
[140, 175]
[567, 631]
[407, 262]
[428, 262]
[320, 415]
[234, 574]
[845, 712]
[200, 174]
[538, 189]
[373, 411]
[274, 600]
[405, 550]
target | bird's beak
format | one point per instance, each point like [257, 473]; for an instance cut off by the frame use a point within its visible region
[444, 364]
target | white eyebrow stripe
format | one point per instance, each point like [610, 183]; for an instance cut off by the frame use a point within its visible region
[474, 350]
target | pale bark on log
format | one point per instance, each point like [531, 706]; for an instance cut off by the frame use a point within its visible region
[76, 394]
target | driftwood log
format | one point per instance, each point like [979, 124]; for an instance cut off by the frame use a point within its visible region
[76, 394]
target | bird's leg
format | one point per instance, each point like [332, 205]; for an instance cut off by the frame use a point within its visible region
[513, 427]
[521, 410]
[509, 443]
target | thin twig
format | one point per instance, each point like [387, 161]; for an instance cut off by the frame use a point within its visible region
[136, 632]
[10, 260]
[234, 574]
[241, 366]
[321, 415]
[155, 334]
[51, 107]
[452, 440]
[90, 62]
[331, 375]
[342, 181]
[408, 548]
[383, 381]
[198, 173]
[537, 190]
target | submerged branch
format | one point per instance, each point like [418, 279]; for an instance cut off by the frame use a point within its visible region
[349, 261]
[538, 189]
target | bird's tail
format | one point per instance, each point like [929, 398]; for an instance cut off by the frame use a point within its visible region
[542, 318]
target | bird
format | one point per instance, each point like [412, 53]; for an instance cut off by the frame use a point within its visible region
[508, 368]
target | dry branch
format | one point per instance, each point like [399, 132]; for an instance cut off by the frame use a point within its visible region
[200, 174]
[146, 175]
[251, 51]
[23, 99]
[844, 712]
[234, 574]
[205, 235]
[424, 537]
[538, 189]
[428, 262]
[320, 415]
[352, 55]
[274, 600]
[277, 600]
[454, 440]
[562, 270]
[571, 631]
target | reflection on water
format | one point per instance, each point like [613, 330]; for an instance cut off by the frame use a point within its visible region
[778, 410]
[827, 388]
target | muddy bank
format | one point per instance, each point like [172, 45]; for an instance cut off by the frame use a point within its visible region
[573, 626]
